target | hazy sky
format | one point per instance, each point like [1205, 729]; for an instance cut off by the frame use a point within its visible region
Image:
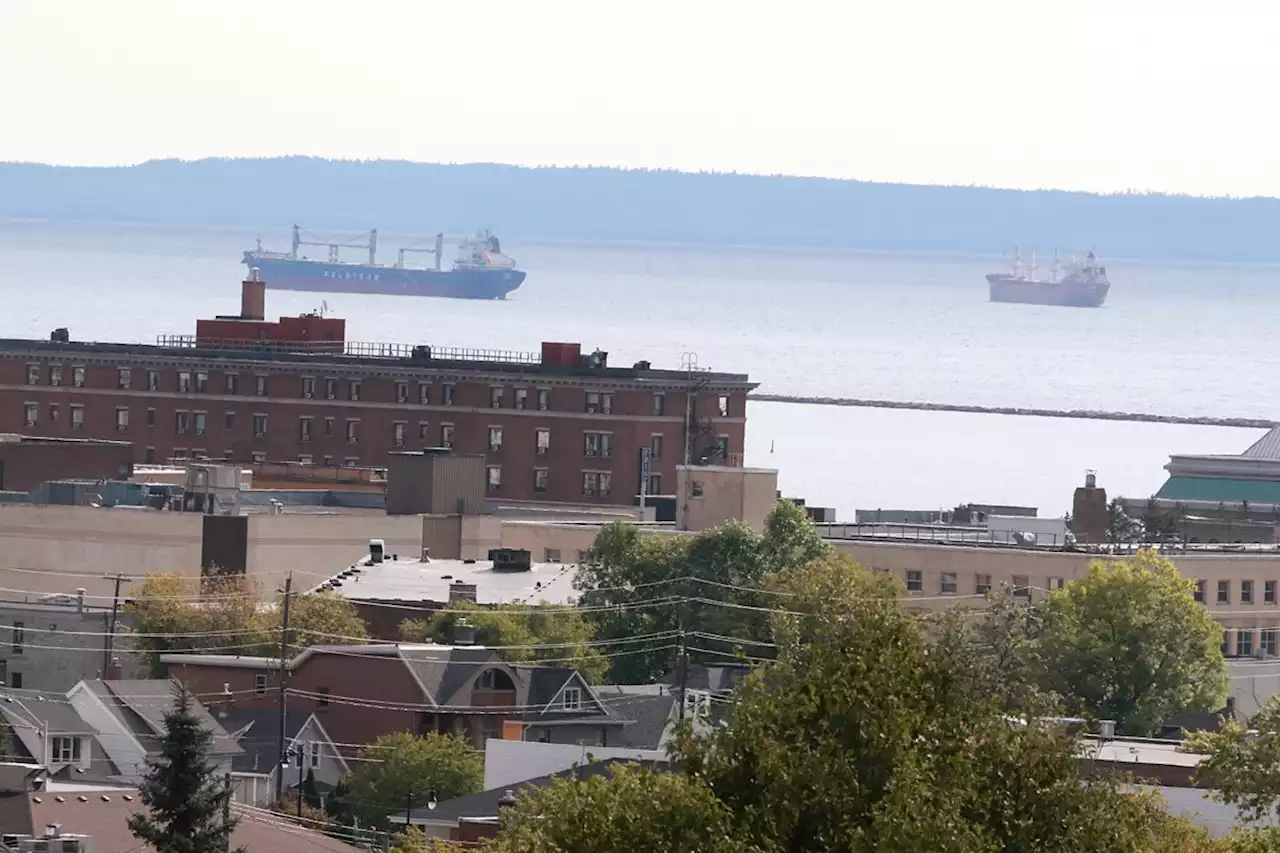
[1093, 94]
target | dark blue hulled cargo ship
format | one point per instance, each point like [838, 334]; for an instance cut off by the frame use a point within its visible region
[480, 271]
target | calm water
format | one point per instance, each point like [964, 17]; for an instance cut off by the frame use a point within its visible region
[1182, 339]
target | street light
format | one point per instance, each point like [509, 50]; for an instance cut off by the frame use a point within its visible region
[295, 751]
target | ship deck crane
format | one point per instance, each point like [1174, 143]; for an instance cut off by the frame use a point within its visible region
[371, 244]
[437, 250]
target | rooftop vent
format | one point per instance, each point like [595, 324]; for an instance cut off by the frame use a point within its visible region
[511, 560]
[1090, 479]
[60, 336]
[464, 633]
[377, 550]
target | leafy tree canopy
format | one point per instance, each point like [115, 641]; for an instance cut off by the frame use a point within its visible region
[402, 770]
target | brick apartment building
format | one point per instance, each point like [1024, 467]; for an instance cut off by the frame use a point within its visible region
[558, 425]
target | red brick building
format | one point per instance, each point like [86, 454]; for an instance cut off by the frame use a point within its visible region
[557, 425]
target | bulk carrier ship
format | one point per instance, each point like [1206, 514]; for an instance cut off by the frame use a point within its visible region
[480, 270]
[1074, 284]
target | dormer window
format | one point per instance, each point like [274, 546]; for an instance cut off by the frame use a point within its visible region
[572, 697]
[494, 679]
[66, 750]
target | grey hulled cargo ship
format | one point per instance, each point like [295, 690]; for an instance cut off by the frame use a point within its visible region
[1076, 283]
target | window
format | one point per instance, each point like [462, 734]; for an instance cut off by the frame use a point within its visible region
[122, 420]
[722, 447]
[1246, 592]
[31, 413]
[1244, 643]
[402, 392]
[1198, 595]
[353, 389]
[495, 398]
[606, 403]
[151, 418]
[572, 698]
[541, 476]
[199, 420]
[1021, 587]
[593, 402]
[655, 484]
[153, 380]
[424, 393]
[149, 455]
[592, 484]
[258, 456]
[53, 412]
[982, 584]
[915, 581]
[353, 431]
[1224, 592]
[585, 557]
[33, 374]
[55, 374]
[323, 699]
[330, 389]
[179, 453]
[260, 386]
[495, 439]
[722, 405]
[19, 635]
[446, 435]
[597, 444]
[313, 754]
[308, 387]
[181, 422]
[551, 555]
[66, 750]
[495, 478]
[259, 426]
[947, 585]
[15, 680]
[231, 420]
[305, 459]
[124, 378]
[655, 447]
[305, 426]
[1056, 583]
[542, 441]
[328, 426]
[202, 383]
[424, 430]
[397, 433]
[446, 393]
[230, 381]
[77, 377]
[1268, 644]
[659, 404]
[1269, 592]
[260, 683]
[544, 399]
[522, 397]
[1226, 642]
[184, 382]
[77, 417]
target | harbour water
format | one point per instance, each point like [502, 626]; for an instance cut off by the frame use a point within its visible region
[1172, 339]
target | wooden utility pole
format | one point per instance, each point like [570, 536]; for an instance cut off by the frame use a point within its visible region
[109, 645]
[284, 661]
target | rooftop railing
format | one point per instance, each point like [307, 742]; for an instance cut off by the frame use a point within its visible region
[355, 349]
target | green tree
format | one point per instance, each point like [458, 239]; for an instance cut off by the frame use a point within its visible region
[565, 634]
[173, 613]
[1242, 767]
[1128, 643]
[188, 805]
[633, 809]
[864, 735]
[413, 840]
[310, 793]
[1121, 528]
[402, 770]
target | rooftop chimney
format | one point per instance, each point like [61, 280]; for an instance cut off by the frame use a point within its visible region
[80, 599]
[114, 671]
[464, 633]
[253, 297]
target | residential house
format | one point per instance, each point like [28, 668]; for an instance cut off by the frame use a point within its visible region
[257, 732]
[362, 692]
[57, 642]
[128, 717]
[47, 732]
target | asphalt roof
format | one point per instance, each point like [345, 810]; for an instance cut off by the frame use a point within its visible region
[442, 670]
[257, 732]
[648, 714]
[1219, 489]
[1267, 447]
[416, 581]
[142, 704]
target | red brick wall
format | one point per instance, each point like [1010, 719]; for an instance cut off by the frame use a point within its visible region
[25, 465]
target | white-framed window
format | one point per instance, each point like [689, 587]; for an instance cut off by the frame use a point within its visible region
[260, 683]
[572, 698]
[397, 433]
[495, 477]
[522, 398]
[402, 392]
[495, 439]
[66, 750]
[947, 583]
[31, 413]
[915, 580]
[552, 555]
[541, 478]
[542, 441]
[122, 420]
[77, 417]
[353, 431]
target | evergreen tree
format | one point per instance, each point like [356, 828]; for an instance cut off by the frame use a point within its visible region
[188, 805]
[310, 793]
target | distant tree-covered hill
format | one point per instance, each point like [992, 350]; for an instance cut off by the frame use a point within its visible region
[647, 206]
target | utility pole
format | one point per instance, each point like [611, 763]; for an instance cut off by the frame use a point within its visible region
[284, 660]
[408, 810]
[109, 645]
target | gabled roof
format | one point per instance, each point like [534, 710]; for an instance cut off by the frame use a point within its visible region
[486, 803]
[1267, 447]
[32, 715]
[257, 732]
[141, 705]
[647, 714]
[441, 671]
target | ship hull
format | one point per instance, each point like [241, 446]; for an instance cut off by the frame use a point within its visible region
[1067, 294]
[322, 277]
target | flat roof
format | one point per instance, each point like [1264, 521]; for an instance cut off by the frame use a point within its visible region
[414, 580]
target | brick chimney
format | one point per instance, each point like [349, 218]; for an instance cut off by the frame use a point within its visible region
[114, 671]
[1089, 512]
[253, 297]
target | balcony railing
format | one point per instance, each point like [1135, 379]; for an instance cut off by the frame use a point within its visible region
[355, 349]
